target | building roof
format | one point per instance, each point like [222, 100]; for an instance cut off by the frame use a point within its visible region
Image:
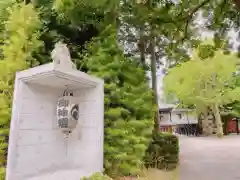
[166, 107]
[173, 108]
[165, 110]
[181, 109]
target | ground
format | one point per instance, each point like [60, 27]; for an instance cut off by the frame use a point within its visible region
[203, 158]
[210, 158]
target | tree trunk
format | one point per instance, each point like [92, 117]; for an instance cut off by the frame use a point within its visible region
[142, 48]
[237, 3]
[206, 124]
[154, 79]
[218, 120]
[150, 5]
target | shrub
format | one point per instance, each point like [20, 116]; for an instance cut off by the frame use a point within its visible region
[128, 106]
[163, 152]
[97, 176]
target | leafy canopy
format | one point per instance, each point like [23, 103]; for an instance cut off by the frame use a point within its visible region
[204, 81]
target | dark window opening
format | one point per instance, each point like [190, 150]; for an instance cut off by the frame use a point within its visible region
[179, 116]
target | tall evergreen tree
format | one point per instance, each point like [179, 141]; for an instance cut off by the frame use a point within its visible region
[128, 105]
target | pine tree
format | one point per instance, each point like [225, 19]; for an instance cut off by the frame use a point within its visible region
[128, 105]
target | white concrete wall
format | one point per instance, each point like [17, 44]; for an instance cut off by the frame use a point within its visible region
[88, 153]
[165, 120]
[187, 118]
[37, 148]
[175, 119]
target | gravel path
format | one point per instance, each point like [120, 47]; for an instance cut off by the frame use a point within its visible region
[210, 158]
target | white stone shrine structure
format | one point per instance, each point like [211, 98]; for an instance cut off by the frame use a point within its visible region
[37, 147]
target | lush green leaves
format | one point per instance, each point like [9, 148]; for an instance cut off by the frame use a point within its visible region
[20, 40]
[83, 12]
[204, 81]
[128, 106]
[163, 152]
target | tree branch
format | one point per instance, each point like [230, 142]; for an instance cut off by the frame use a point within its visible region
[190, 16]
[27, 1]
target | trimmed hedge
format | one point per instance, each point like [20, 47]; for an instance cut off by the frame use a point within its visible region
[163, 152]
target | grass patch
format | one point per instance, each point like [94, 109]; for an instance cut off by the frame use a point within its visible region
[156, 174]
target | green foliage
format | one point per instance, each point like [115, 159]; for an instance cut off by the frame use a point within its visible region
[57, 28]
[2, 173]
[21, 37]
[163, 152]
[163, 19]
[4, 5]
[128, 105]
[97, 176]
[233, 108]
[204, 81]
[20, 40]
[83, 12]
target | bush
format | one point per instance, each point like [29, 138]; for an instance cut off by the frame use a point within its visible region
[163, 152]
[97, 176]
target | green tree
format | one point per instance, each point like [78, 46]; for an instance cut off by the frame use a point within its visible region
[19, 41]
[205, 82]
[152, 33]
[128, 105]
[233, 108]
[58, 26]
[4, 5]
